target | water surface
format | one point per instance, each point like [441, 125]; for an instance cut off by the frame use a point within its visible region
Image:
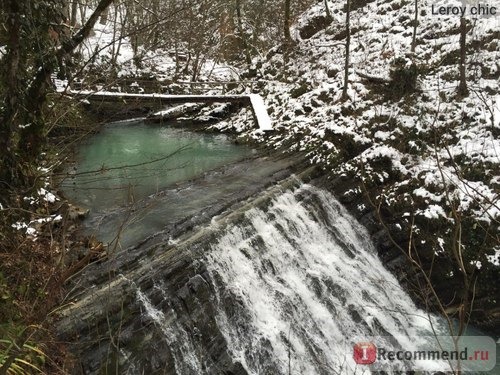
[126, 162]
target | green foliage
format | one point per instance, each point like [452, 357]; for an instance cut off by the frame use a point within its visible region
[18, 355]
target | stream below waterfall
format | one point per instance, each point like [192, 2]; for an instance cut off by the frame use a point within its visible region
[224, 261]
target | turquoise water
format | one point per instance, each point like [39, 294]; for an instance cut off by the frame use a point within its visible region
[126, 162]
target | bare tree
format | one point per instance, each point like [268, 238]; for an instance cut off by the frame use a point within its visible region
[286, 23]
[462, 88]
[327, 10]
[415, 24]
[345, 96]
[74, 10]
[242, 35]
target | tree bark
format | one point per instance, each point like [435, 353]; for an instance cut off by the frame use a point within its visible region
[8, 125]
[327, 10]
[286, 23]
[66, 11]
[196, 66]
[462, 88]
[415, 23]
[345, 96]
[33, 137]
[243, 38]
[74, 10]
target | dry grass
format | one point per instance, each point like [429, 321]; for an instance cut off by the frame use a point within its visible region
[30, 289]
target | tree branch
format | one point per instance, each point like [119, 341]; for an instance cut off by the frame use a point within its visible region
[42, 78]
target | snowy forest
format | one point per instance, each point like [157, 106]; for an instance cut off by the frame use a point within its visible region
[247, 186]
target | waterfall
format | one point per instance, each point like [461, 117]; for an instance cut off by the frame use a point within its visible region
[283, 284]
[296, 282]
[186, 360]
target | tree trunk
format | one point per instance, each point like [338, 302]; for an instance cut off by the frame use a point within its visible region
[415, 23]
[156, 19]
[286, 24]
[8, 124]
[104, 17]
[177, 63]
[327, 10]
[33, 137]
[66, 11]
[83, 10]
[196, 66]
[345, 96]
[74, 10]
[258, 22]
[114, 49]
[243, 38]
[188, 61]
[462, 88]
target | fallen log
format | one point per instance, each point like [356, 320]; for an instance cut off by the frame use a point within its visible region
[373, 79]
[174, 112]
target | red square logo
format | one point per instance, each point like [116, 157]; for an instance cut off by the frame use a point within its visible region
[365, 353]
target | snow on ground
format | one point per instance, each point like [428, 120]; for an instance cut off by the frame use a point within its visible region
[159, 63]
[447, 148]
[106, 47]
[260, 111]
[428, 147]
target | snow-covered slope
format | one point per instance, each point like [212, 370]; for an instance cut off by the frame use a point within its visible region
[429, 149]
[107, 59]
[429, 158]
[106, 46]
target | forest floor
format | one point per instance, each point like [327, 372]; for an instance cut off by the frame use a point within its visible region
[423, 157]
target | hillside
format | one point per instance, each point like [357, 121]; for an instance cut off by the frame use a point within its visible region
[410, 147]
[405, 147]
[428, 157]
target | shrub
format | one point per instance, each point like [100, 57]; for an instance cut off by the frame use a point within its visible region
[403, 76]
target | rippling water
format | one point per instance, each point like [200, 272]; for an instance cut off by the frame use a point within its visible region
[125, 162]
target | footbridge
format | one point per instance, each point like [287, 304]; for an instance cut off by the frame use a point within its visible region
[255, 101]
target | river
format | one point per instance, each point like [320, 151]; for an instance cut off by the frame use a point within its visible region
[222, 260]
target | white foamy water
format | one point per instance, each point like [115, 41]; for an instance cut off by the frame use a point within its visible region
[185, 356]
[296, 283]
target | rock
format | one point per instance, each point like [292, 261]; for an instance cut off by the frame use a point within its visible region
[152, 308]
[76, 212]
[314, 25]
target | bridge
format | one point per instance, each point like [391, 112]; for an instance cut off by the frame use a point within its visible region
[255, 101]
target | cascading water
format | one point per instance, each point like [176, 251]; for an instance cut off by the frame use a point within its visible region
[296, 282]
[186, 360]
[284, 283]
[236, 270]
